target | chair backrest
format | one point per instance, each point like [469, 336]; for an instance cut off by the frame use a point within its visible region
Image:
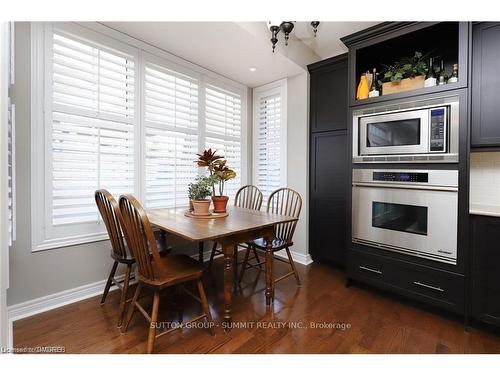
[249, 196]
[287, 202]
[140, 237]
[110, 213]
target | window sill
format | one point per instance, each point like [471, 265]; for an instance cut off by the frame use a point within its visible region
[57, 243]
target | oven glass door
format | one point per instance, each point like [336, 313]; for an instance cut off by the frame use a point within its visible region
[416, 221]
[395, 133]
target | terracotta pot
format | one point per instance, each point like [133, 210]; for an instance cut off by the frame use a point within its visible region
[191, 208]
[201, 207]
[220, 203]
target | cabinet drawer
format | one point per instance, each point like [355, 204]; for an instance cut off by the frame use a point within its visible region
[436, 287]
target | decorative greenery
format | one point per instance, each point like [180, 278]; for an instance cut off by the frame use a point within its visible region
[216, 165]
[201, 189]
[407, 67]
[223, 174]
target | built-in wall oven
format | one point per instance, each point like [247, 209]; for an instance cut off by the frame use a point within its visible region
[420, 131]
[409, 211]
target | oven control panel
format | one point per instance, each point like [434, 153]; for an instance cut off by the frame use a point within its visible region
[401, 176]
[437, 136]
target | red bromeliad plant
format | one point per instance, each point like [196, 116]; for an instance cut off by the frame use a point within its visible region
[208, 159]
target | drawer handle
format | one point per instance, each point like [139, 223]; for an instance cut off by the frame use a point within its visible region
[428, 286]
[371, 270]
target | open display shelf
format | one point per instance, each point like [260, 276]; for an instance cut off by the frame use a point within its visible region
[440, 41]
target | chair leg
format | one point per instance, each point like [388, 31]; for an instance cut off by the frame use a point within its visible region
[212, 255]
[154, 319]
[109, 282]
[292, 264]
[244, 264]
[206, 308]
[123, 298]
[256, 255]
[132, 308]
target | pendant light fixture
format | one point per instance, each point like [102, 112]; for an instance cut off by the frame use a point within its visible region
[287, 28]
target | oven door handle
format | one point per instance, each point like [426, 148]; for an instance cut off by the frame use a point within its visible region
[401, 186]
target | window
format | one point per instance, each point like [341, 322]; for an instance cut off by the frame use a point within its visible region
[171, 122]
[224, 131]
[114, 113]
[269, 137]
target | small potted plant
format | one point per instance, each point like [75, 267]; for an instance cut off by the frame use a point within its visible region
[217, 168]
[222, 174]
[198, 193]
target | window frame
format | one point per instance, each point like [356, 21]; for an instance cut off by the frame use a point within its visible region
[41, 236]
[277, 87]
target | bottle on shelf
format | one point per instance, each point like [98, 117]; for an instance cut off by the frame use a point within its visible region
[430, 77]
[374, 90]
[442, 75]
[454, 74]
[363, 88]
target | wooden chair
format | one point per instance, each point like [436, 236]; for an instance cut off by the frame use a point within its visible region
[248, 196]
[283, 201]
[156, 273]
[110, 213]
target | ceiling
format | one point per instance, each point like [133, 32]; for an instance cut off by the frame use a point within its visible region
[231, 48]
[327, 42]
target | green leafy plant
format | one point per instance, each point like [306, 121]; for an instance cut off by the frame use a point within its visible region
[201, 188]
[406, 67]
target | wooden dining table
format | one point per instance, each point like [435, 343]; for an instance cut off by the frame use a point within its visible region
[240, 226]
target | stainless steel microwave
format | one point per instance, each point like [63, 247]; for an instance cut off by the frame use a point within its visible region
[411, 132]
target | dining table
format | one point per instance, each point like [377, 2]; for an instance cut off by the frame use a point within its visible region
[241, 225]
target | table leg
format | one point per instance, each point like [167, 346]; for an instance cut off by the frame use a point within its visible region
[235, 268]
[269, 268]
[228, 249]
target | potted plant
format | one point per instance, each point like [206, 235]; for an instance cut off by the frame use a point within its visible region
[221, 173]
[406, 74]
[198, 193]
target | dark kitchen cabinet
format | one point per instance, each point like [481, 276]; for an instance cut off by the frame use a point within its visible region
[485, 85]
[328, 160]
[328, 95]
[485, 275]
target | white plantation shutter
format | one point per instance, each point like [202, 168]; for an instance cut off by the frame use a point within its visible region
[223, 130]
[92, 126]
[270, 139]
[171, 140]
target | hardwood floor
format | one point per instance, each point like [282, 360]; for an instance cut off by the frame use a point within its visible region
[373, 322]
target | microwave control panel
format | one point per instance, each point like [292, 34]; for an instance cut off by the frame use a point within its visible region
[437, 136]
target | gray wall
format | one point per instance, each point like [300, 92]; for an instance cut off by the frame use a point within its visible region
[298, 151]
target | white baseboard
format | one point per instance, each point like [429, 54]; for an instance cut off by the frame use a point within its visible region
[304, 259]
[53, 301]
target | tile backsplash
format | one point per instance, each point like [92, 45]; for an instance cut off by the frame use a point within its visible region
[485, 178]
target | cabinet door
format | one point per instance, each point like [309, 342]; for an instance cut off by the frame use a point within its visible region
[485, 84]
[329, 98]
[328, 195]
[486, 268]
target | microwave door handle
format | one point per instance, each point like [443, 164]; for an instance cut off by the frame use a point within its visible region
[402, 186]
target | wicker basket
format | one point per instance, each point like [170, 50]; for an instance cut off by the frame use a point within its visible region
[406, 84]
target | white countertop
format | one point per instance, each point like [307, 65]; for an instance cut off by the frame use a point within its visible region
[484, 209]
